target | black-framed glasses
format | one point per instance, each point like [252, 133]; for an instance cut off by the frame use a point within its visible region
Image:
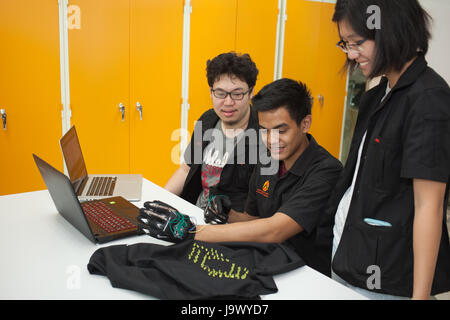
[222, 94]
[355, 47]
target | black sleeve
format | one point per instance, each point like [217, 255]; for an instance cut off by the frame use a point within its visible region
[307, 204]
[193, 153]
[250, 205]
[426, 137]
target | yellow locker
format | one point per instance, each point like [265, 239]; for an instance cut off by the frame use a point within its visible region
[301, 57]
[327, 124]
[155, 82]
[243, 26]
[256, 28]
[29, 92]
[213, 31]
[129, 52]
[99, 67]
[310, 55]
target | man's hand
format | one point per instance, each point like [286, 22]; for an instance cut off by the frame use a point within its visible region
[164, 222]
[217, 209]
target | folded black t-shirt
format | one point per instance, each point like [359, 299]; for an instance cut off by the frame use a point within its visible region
[195, 269]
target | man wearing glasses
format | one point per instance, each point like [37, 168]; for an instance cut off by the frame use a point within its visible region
[218, 156]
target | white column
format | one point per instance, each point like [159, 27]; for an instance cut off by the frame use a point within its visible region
[185, 77]
[279, 47]
[66, 112]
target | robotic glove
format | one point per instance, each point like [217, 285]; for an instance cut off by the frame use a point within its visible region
[164, 222]
[217, 208]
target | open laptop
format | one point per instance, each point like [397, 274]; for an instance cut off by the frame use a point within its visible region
[99, 220]
[94, 187]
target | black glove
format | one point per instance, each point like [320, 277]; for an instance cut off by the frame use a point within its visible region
[162, 221]
[217, 208]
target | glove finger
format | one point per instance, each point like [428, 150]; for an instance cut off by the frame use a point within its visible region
[153, 233]
[152, 225]
[154, 220]
[208, 216]
[222, 204]
[217, 205]
[212, 217]
[164, 204]
[148, 230]
[222, 216]
[160, 207]
[152, 215]
[150, 205]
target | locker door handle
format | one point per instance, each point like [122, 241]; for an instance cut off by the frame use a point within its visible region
[122, 109]
[139, 108]
[321, 100]
[3, 113]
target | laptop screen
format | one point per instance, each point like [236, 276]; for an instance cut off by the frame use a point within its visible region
[64, 197]
[73, 156]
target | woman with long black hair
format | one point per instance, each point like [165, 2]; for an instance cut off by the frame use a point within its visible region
[390, 237]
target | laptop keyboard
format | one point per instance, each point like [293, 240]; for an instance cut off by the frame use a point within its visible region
[104, 217]
[102, 186]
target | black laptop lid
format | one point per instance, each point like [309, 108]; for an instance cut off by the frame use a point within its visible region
[64, 197]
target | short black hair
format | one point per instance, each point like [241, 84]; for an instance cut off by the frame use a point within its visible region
[404, 30]
[232, 64]
[294, 96]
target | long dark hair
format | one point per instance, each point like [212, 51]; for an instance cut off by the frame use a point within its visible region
[404, 30]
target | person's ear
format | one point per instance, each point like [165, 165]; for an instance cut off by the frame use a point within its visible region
[306, 123]
[250, 95]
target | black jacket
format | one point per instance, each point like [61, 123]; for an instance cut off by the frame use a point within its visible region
[235, 176]
[408, 137]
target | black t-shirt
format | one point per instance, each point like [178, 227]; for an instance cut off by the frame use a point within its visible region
[195, 269]
[301, 193]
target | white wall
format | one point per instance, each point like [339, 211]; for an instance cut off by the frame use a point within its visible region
[439, 54]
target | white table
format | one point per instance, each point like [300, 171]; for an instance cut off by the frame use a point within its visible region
[44, 257]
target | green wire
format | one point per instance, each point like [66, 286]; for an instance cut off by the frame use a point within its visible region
[180, 225]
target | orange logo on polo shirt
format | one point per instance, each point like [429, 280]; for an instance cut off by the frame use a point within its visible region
[265, 187]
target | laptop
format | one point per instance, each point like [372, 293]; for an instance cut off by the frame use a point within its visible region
[99, 220]
[94, 187]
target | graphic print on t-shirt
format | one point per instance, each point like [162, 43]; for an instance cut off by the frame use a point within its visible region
[215, 264]
[215, 157]
[212, 168]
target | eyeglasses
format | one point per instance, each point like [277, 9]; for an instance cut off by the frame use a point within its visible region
[222, 94]
[355, 47]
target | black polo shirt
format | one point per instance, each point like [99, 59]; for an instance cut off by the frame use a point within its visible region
[301, 193]
[408, 137]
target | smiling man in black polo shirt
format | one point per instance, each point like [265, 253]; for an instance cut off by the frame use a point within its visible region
[284, 205]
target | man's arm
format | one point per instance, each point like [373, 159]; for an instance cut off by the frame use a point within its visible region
[235, 216]
[276, 229]
[427, 231]
[176, 182]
